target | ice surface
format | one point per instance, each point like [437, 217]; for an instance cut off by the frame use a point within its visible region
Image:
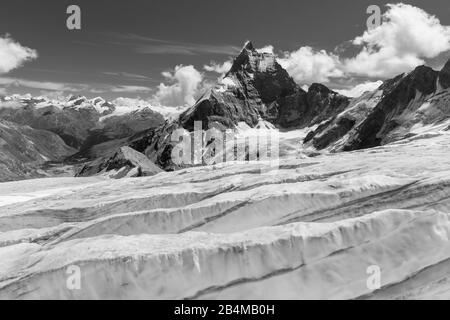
[308, 229]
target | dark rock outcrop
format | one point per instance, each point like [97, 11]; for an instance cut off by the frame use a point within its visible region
[396, 96]
[444, 76]
[377, 120]
[125, 162]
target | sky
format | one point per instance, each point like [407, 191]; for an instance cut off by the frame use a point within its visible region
[167, 52]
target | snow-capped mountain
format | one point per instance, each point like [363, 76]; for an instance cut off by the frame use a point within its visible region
[255, 89]
[75, 119]
[76, 124]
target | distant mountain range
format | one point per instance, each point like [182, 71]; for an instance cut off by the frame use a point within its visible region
[76, 126]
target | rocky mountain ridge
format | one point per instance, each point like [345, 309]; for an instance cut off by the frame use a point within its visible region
[402, 107]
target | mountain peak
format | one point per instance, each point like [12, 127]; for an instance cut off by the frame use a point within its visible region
[248, 46]
[244, 59]
[319, 88]
[422, 78]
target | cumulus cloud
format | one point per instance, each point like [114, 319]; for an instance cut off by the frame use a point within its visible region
[13, 54]
[186, 82]
[359, 89]
[405, 37]
[218, 68]
[307, 65]
[266, 49]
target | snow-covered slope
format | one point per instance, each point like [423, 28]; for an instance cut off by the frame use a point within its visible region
[311, 228]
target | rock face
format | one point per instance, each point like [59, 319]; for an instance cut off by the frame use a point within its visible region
[260, 83]
[23, 149]
[399, 106]
[323, 104]
[444, 76]
[255, 88]
[386, 116]
[126, 162]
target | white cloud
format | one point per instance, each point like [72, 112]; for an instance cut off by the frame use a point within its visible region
[406, 36]
[219, 68]
[128, 75]
[186, 82]
[13, 54]
[43, 85]
[71, 87]
[307, 65]
[359, 89]
[266, 49]
[131, 89]
[126, 105]
[2, 91]
[53, 95]
[222, 68]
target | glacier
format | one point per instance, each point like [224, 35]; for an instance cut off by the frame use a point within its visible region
[308, 229]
